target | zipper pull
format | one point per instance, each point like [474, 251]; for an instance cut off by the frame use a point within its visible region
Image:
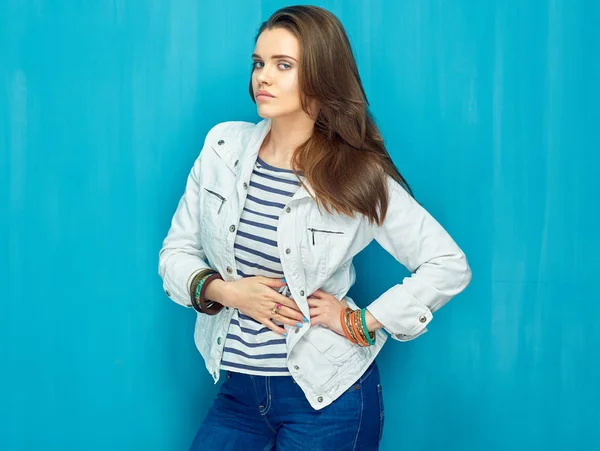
[313, 234]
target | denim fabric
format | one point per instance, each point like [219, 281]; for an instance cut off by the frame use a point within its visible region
[316, 251]
[262, 413]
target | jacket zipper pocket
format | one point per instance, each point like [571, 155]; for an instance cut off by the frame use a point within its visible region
[221, 198]
[310, 229]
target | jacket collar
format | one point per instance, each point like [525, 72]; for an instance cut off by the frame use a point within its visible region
[238, 147]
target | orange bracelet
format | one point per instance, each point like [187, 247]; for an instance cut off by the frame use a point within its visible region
[348, 318]
[344, 328]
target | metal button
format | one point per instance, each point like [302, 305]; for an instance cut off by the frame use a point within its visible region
[232, 228]
[320, 399]
[220, 142]
[168, 293]
[301, 292]
[288, 251]
[296, 367]
[288, 209]
[423, 318]
[297, 330]
[245, 185]
[219, 340]
[229, 270]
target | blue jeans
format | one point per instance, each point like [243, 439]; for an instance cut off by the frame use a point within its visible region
[262, 413]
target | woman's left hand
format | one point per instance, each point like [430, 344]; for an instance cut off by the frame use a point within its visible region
[325, 309]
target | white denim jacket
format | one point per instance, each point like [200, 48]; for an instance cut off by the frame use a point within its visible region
[323, 363]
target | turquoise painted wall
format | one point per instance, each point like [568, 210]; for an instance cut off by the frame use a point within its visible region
[490, 109]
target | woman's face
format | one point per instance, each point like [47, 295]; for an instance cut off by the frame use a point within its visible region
[275, 74]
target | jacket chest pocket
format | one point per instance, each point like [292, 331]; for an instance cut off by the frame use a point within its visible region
[213, 200]
[316, 246]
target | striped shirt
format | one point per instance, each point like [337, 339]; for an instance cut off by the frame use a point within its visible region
[251, 347]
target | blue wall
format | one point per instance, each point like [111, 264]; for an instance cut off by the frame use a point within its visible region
[490, 109]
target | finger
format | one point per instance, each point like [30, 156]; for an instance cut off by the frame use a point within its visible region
[284, 300]
[319, 294]
[289, 322]
[313, 302]
[274, 327]
[290, 314]
[314, 313]
[270, 282]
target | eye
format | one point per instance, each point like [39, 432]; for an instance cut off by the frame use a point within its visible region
[257, 64]
[286, 66]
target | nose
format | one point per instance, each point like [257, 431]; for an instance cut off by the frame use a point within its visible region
[265, 75]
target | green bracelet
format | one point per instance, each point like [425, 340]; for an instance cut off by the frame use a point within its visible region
[370, 340]
[199, 286]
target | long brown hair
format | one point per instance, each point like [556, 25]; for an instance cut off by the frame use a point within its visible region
[345, 160]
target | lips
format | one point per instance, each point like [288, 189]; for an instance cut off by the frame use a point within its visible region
[264, 93]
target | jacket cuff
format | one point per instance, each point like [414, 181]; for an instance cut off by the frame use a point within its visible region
[178, 275]
[403, 316]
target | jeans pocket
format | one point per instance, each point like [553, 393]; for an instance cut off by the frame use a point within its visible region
[381, 411]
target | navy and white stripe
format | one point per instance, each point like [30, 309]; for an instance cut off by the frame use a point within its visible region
[251, 347]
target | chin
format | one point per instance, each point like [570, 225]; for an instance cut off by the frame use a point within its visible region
[266, 114]
[274, 113]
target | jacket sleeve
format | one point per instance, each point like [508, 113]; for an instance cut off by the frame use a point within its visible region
[439, 268]
[181, 255]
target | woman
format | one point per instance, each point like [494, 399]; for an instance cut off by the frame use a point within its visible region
[261, 245]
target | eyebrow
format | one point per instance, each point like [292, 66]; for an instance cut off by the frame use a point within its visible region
[254, 55]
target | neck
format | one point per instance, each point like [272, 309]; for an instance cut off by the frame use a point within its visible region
[285, 136]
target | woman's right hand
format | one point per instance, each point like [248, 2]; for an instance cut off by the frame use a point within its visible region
[256, 297]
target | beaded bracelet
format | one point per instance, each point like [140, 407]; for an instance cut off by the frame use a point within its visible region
[348, 321]
[354, 326]
[345, 326]
[358, 330]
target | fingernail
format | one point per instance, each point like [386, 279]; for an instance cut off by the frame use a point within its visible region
[305, 319]
[284, 334]
[283, 280]
[298, 324]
